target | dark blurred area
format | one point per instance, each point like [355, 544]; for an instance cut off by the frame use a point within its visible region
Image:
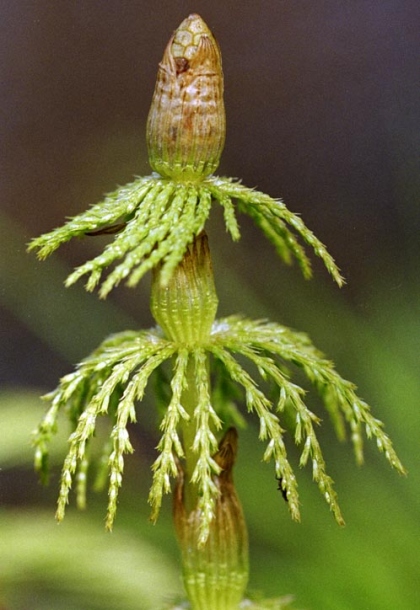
[323, 110]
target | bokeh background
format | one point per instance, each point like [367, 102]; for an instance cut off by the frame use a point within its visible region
[323, 110]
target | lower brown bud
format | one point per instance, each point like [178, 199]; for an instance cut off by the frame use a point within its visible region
[216, 574]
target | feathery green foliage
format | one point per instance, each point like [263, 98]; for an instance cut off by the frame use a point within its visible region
[113, 379]
[157, 220]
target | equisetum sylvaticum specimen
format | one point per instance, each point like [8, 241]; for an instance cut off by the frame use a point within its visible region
[197, 360]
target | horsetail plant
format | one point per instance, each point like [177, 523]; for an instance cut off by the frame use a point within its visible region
[159, 222]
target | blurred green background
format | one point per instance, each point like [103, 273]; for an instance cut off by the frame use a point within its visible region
[322, 107]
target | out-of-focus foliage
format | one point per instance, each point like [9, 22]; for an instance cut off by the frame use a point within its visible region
[77, 565]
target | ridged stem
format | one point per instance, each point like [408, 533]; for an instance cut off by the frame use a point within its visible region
[186, 308]
[188, 429]
[216, 572]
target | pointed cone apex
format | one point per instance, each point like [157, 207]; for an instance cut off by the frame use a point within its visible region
[186, 123]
